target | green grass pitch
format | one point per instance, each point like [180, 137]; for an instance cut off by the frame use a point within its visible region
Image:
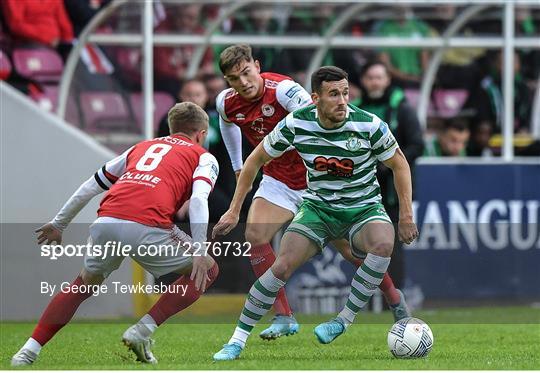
[468, 338]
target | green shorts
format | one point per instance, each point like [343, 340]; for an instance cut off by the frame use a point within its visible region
[322, 223]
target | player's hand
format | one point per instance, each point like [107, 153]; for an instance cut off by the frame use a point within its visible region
[49, 234]
[199, 273]
[407, 231]
[226, 223]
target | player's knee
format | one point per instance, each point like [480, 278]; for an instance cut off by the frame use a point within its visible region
[282, 269]
[256, 235]
[89, 278]
[383, 249]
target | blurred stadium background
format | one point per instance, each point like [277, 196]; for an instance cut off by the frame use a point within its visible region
[78, 89]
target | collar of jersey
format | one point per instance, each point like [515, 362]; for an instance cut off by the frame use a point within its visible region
[184, 137]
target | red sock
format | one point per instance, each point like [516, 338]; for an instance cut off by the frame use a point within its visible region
[169, 304]
[387, 286]
[59, 312]
[262, 258]
[389, 290]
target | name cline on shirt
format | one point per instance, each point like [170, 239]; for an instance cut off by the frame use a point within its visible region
[175, 141]
[138, 176]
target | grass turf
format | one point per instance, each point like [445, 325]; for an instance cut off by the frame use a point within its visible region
[472, 338]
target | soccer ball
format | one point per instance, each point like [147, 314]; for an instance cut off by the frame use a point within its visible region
[410, 338]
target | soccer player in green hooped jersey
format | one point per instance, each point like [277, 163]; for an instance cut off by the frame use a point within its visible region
[340, 146]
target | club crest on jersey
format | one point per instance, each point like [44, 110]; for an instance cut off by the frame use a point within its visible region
[354, 143]
[258, 126]
[268, 110]
[240, 117]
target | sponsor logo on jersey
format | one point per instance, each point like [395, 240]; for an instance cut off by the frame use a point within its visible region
[268, 110]
[335, 167]
[240, 117]
[292, 91]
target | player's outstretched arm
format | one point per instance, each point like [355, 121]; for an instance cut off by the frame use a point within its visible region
[198, 217]
[255, 161]
[101, 181]
[204, 179]
[407, 230]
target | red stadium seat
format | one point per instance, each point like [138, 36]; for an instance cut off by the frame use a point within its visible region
[413, 98]
[104, 112]
[5, 66]
[162, 103]
[449, 101]
[48, 100]
[40, 64]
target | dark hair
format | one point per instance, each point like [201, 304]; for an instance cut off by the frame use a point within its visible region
[369, 64]
[233, 55]
[326, 74]
[457, 123]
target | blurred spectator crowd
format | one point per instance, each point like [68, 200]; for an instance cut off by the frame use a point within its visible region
[105, 98]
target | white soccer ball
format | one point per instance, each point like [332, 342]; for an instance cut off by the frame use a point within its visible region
[410, 338]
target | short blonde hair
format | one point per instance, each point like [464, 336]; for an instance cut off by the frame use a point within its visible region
[233, 55]
[187, 117]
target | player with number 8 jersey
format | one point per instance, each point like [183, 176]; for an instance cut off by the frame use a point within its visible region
[151, 187]
[146, 186]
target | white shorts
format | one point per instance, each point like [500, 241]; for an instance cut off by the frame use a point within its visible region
[279, 193]
[165, 258]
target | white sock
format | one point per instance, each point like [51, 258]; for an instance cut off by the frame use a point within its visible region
[149, 325]
[347, 316]
[240, 337]
[32, 345]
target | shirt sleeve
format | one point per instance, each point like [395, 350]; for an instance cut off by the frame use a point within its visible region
[280, 139]
[292, 96]
[207, 170]
[102, 180]
[383, 143]
[107, 175]
[232, 137]
[198, 211]
[230, 132]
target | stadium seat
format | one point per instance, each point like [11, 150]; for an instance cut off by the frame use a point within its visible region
[449, 102]
[40, 64]
[162, 103]
[48, 100]
[104, 112]
[5, 66]
[413, 97]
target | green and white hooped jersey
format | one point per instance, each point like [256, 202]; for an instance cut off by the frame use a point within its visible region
[341, 162]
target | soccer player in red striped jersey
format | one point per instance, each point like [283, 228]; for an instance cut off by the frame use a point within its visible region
[253, 106]
[146, 186]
